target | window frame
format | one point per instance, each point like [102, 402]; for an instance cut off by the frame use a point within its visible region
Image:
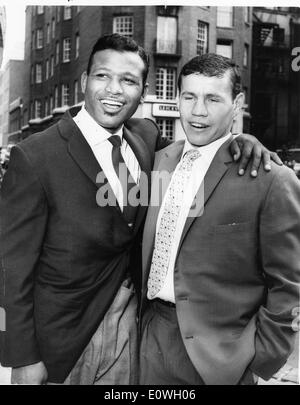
[205, 40]
[38, 73]
[65, 86]
[66, 51]
[221, 12]
[162, 94]
[39, 38]
[67, 13]
[117, 22]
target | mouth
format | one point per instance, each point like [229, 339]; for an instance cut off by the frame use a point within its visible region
[198, 125]
[111, 105]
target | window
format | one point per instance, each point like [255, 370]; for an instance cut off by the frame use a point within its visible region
[224, 16]
[57, 53]
[25, 117]
[77, 44]
[32, 75]
[247, 14]
[53, 28]
[46, 107]
[76, 92]
[166, 83]
[48, 35]
[58, 14]
[123, 25]
[224, 48]
[38, 73]
[37, 109]
[40, 9]
[246, 55]
[32, 40]
[56, 97]
[47, 69]
[202, 39]
[166, 127]
[51, 104]
[166, 35]
[65, 94]
[52, 66]
[66, 49]
[39, 38]
[67, 13]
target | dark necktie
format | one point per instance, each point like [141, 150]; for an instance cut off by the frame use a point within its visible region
[126, 180]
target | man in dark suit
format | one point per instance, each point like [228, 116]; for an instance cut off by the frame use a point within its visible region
[221, 254]
[66, 263]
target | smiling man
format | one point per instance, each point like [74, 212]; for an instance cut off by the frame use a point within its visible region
[220, 281]
[66, 262]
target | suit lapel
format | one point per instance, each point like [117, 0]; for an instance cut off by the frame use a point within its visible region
[166, 162]
[78, 147]
[216, 171]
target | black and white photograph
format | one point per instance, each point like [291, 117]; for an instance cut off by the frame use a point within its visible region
[149, 195]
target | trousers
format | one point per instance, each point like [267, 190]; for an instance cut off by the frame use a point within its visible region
[163, 356]
[111, 356]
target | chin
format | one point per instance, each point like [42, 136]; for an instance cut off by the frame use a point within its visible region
[197, 142]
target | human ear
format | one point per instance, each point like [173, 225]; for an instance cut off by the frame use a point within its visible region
[84, 77]
[238, 104]
[145, 91]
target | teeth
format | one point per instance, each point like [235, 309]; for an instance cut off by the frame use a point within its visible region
[112, 103]
[199, 125]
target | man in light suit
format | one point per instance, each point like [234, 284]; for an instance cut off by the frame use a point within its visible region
[221, 254]
[68, 262]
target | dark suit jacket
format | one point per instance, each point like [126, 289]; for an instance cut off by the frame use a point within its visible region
[237, 270]
[63, 257]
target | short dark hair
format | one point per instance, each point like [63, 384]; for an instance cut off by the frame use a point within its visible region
[211, 64]
[119, 43]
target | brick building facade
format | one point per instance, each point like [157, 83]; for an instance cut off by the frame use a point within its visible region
[59, 39]
[276, 87]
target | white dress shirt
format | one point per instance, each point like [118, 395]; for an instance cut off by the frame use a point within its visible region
[199, 170]
[97, 138]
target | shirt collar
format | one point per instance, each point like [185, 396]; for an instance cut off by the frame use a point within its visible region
[94, 133]
[208, 149]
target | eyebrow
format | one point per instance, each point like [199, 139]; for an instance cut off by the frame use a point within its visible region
[216, 95]
[188, 92]
[101, 68]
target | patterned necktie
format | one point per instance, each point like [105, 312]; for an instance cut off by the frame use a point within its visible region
[167, 227]
[126, 180]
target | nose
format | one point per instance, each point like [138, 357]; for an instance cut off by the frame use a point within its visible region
[199, 108]
[114, 86]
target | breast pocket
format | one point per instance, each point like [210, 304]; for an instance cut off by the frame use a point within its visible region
[235, 233]
[234, 228]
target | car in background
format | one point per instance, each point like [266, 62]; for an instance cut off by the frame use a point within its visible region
[291, 158]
